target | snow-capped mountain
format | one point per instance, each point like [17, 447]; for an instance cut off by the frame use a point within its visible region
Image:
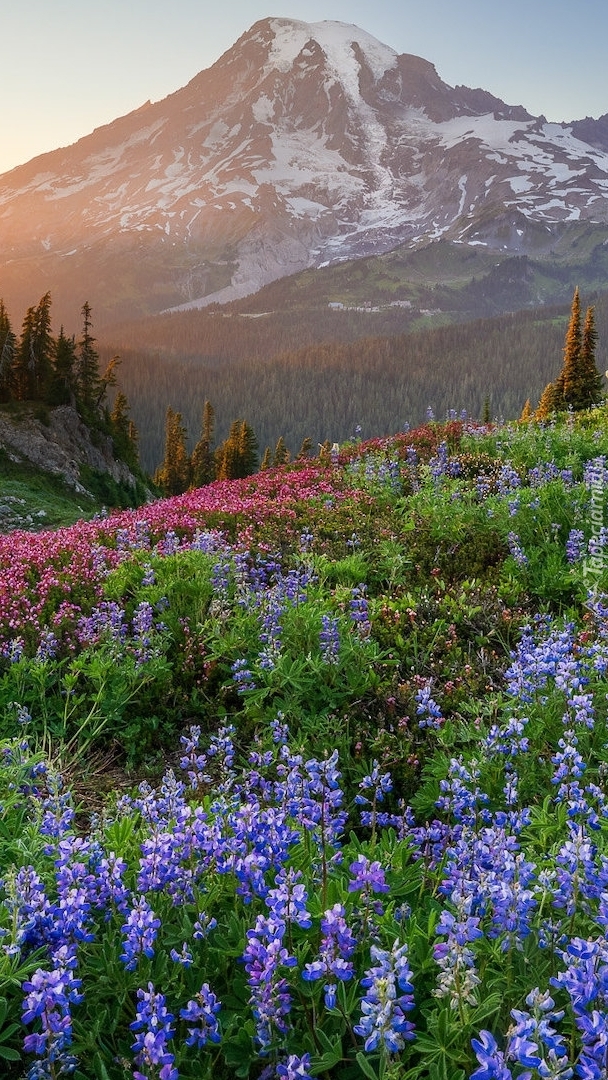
[303, 144]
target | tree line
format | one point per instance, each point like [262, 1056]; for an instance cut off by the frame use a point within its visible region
[323, 390]
[294, 399]
[51, 371]
[236, 457]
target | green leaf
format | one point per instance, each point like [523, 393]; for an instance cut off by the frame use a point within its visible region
[366, 1067]
[7, 1032]
[9, 1055]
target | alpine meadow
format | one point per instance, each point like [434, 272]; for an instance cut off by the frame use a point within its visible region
[304, 582]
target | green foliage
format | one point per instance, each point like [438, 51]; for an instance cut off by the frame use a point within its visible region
[338, 620]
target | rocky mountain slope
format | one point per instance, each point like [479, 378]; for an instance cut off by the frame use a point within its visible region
[53, 470]
[305, 144]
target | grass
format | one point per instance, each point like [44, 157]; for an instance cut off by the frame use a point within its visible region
[39, 499]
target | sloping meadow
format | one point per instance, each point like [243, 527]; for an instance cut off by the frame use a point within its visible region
[305, 774]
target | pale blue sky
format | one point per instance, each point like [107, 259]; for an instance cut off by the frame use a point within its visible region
[68, 66]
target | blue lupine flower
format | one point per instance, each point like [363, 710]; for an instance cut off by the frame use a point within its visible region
[359, 610]
[49, 997]
[337, 946]
[287, 901]
[383, 1022]
[270, 998]
[294, 1067]
[491, 1060]
[140, 932]
[329, 640]
[242, 676]
[367, 876]
[153, 1025]
[202, 1011]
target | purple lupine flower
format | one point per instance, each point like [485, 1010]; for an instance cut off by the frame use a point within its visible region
[185, 957]
[320, 799]
[48, 646]
[359, 611]
[280, 730]
[140, 932]
[110, 891]
[533, 1042]
[367, 876]
[154, 1030]
[383, 1023]
[32, 912]
[193, 762]
[203, 926]
[202, 1011]
[241, 675]
[492, 1065]
[329, 640]
[143, 632]
[378, 783]
[58, 809]
[49, 997]
[293, 1068]
[517, 552]
[107, 621]
[458, 976]
[337, 946]
[427, 708]
[460, 792]
[264, 956]
[574, 545]
[169, 543]
[287, 902]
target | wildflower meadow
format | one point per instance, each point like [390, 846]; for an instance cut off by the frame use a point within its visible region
[306, 774]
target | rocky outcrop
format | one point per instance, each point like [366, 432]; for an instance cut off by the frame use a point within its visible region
[60, 443]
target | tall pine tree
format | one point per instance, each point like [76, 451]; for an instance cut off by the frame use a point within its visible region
[238, 455]
[591, 382]
[124, 432]
[173, 474]
[62, 384]
[579, 383]
[90, 386]
[202, 463]
[8, 351]
[33, 363]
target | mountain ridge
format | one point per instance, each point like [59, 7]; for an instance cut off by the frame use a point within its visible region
[304, 144]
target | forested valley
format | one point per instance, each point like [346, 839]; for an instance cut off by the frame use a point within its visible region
[318, 375]
[338, 376]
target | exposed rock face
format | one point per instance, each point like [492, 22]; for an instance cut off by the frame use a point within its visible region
[305, 143]
[61, 447]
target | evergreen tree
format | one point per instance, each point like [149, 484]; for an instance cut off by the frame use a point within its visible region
[526, 413]
[238, 455]
[124, 432]
[486, 415]
[25, 360]
[266, 460]
[202, 463]
[173, 475]
[548, 404]
[306, 448]
[281, 453]
[62, 384]
[248, 450]
[90, 386]
[33, 363]
[568, 382]
[592, 390]
[8, 350]
[579, 383]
